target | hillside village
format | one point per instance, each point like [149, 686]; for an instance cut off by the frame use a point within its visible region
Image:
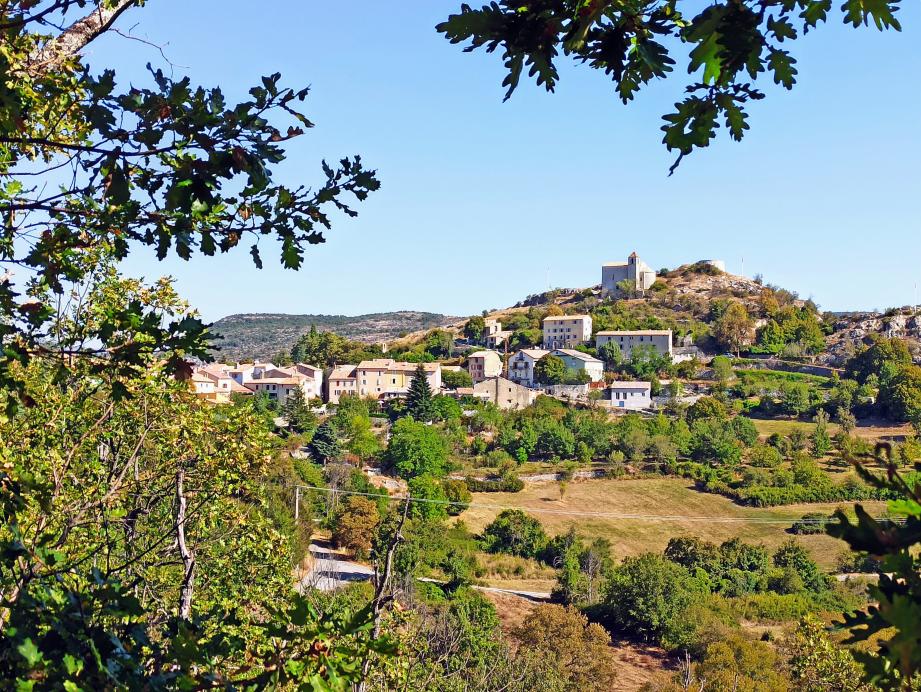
[696, 425]
[506, 378]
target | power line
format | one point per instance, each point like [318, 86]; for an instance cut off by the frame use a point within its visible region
[575, 513]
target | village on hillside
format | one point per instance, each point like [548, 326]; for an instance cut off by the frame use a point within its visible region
[510, 379]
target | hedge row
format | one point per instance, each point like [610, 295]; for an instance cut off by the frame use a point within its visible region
[505, 484]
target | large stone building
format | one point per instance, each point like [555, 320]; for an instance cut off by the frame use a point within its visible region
[380, 378]
[566, 331]
[659, 339]
[640, 275]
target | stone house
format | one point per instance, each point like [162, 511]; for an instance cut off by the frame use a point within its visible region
[504, 393]
[566, 331]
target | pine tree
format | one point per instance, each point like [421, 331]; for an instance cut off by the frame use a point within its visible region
[325, 443]
[419, 403]
[298, 413]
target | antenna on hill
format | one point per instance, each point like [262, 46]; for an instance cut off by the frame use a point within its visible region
[549, 287]
[743, 267]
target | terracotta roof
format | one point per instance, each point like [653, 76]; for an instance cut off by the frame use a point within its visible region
[343, 372]
[557, 318]
[275, 380]
[483, 354]
[239, 388]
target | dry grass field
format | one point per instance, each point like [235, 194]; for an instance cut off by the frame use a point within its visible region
[872, 430]
[686, 512]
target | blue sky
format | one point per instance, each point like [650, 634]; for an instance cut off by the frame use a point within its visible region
[481, 199]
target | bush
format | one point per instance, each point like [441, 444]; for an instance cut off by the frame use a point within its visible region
[810, 523]
[458, 493]
[515, 533]
[508, 483]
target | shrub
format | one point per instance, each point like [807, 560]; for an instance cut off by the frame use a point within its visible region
[515, 533]
[508, 483]
[458, 493]
[810, 523]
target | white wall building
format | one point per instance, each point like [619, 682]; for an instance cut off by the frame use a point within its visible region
[635, 270]
[659, 339]
[521, 365]
[631, 396]
[566, 331]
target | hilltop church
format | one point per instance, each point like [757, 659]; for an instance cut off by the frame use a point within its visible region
[634, 270]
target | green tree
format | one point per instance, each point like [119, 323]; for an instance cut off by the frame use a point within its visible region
[792, 555]
[743, 665]
[325, 446]
[901, 397]
[417, 449]
[733, 328]
[726, 45]
[298, 413]
[515, 533]
[474, 329]
[162, 165]
[438, 343]
[550, 370]
[820, 440]
[431, 504]
[419, 402]
[454, 379]
[817, 664]
[722, 370]
[611, 354]
[647, 596]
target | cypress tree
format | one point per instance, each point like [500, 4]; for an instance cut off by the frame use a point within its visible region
[324, 447]
[419, 403]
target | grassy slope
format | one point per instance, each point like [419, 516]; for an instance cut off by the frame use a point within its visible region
[655, 496]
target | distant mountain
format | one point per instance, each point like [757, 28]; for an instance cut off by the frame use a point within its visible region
[261, 335]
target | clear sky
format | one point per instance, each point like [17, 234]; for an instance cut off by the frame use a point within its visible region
[484, 202]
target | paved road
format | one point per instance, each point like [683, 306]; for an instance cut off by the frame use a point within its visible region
[331, 570]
